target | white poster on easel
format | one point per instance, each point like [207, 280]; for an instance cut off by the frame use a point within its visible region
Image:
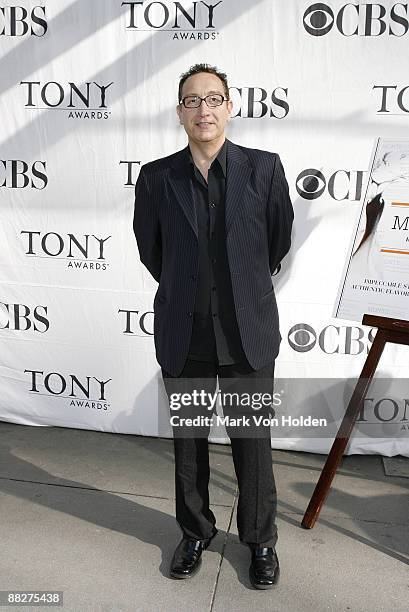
[376, 275]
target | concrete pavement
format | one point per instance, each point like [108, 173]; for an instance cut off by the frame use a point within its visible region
[92, 514]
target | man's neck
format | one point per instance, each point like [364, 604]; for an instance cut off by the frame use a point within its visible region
[204, 153]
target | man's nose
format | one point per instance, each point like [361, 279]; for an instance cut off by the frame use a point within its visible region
[203, 108]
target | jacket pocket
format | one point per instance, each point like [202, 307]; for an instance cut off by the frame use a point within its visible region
[269, 293]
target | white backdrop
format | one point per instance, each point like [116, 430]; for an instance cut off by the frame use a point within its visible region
[88, 90]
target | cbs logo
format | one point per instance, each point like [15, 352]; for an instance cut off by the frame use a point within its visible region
[341, 185]
[332, 339]
[318, 19]
[357, 19]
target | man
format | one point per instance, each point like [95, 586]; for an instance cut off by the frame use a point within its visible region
[212, 223]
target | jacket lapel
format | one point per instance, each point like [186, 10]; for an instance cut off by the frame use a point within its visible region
[238, 174]
[182, 187]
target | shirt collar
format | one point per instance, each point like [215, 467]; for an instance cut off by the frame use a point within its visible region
[221, 157]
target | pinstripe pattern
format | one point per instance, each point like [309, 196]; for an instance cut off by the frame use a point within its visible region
[259, 217]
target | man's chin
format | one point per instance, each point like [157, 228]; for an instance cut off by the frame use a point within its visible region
[206, 137]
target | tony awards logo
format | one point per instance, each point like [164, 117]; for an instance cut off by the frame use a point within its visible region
[392, 99]
[131, 168]
[79, 252]
[136, 322]
[80, 101]
[80, 391]
[182, 20]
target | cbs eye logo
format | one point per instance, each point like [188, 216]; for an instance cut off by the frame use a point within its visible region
[318, 19]
[310, 184]
[302, 337]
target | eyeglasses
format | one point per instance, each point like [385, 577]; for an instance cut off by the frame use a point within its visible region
[211, 100]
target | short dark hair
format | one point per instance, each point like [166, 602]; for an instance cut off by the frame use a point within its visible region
[196, 69]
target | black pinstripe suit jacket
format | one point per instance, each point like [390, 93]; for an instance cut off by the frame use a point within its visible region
[259, 217]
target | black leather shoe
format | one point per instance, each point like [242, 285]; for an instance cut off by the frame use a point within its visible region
[187, 558]
[264, 568]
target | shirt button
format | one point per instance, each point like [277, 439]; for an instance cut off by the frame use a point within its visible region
[212, 204]
[190, 314]
[215, 314]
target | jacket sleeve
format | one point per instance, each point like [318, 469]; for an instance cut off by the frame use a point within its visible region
[280, 217]
[146, 227]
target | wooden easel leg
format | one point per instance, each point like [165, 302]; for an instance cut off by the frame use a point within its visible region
[338, 447]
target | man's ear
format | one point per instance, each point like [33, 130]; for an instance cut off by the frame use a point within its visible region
[229, 107]
[178, 112]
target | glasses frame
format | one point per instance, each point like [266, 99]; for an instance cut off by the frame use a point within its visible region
[182, 101]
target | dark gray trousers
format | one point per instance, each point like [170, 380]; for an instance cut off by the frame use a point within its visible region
[251, 451]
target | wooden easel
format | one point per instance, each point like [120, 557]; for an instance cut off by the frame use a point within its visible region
[389, 330]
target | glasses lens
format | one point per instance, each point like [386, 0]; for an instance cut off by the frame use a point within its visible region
[214, 100]
[211, 100]
[192, 101]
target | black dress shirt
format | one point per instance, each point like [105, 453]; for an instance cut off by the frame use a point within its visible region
[215, 335]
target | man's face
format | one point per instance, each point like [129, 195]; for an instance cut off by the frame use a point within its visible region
[204, 124]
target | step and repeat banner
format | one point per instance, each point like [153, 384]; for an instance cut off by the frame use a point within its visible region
[88, 90]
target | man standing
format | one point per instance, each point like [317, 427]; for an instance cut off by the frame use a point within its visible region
[212, 224]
